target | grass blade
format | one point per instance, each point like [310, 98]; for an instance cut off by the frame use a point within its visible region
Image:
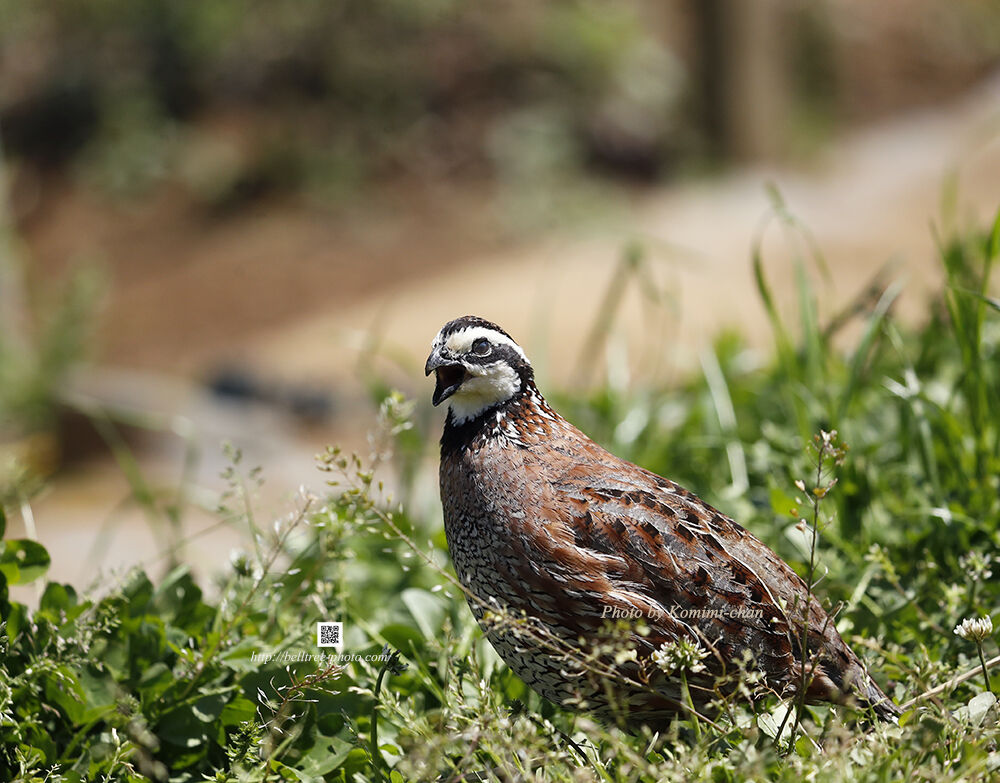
[859, 360]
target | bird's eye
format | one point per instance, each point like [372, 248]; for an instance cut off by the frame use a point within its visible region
[481, 347]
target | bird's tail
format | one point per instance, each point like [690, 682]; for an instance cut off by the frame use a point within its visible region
[861, 690]
[880, 704]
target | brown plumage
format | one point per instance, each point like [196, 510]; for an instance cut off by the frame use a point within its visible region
[552, 536]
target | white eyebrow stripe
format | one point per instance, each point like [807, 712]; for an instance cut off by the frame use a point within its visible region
[461, 341]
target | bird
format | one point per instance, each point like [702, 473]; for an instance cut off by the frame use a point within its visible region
[604, 586]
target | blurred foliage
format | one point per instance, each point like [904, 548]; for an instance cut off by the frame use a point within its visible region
[42, 338]
[33, 366]
[239, 97]
[234, 99]
[231, 100]
[39, 346]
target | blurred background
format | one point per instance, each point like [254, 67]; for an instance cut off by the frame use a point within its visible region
[245, 221]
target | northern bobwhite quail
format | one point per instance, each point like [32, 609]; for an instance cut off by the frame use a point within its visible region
[552, 536]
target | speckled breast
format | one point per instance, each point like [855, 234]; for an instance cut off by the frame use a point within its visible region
[478, 508]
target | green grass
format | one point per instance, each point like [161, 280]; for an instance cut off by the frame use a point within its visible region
[155, 681]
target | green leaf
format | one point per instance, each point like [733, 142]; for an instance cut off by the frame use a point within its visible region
[783, 504]
[63, 688]
[14, 614]
[23, 561]
[181, 727]
[238, 710]
[208, 708]
[427, 610]
[323, 757]
[58, 598]
[147, 641]
[402, 637]
[3, 522]
[137, 590]
[975, 711]
[178, 600]
[5, 607]
[993, 243]
[99, 693]
[154, 682]
[239, 657]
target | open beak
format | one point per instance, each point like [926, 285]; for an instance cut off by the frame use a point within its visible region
[450, 375]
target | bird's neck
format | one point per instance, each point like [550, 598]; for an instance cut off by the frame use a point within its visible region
[510, 419]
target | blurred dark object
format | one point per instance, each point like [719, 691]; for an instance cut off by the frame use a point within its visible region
[239, 384]
[51, 125]
[80, 436]
[743, 69]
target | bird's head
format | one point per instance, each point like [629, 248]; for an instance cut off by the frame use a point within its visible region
[478, 367]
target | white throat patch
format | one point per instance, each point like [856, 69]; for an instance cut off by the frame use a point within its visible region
[484, 387]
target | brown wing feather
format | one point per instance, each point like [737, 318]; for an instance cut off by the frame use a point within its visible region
[722, 584]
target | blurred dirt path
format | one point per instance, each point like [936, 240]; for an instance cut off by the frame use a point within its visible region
[872, 198]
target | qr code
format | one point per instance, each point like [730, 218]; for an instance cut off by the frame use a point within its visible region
[329, 634]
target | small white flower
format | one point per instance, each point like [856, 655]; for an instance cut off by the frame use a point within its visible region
[240, 561]
[975, 629]
[977, 566]
[683, 655]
